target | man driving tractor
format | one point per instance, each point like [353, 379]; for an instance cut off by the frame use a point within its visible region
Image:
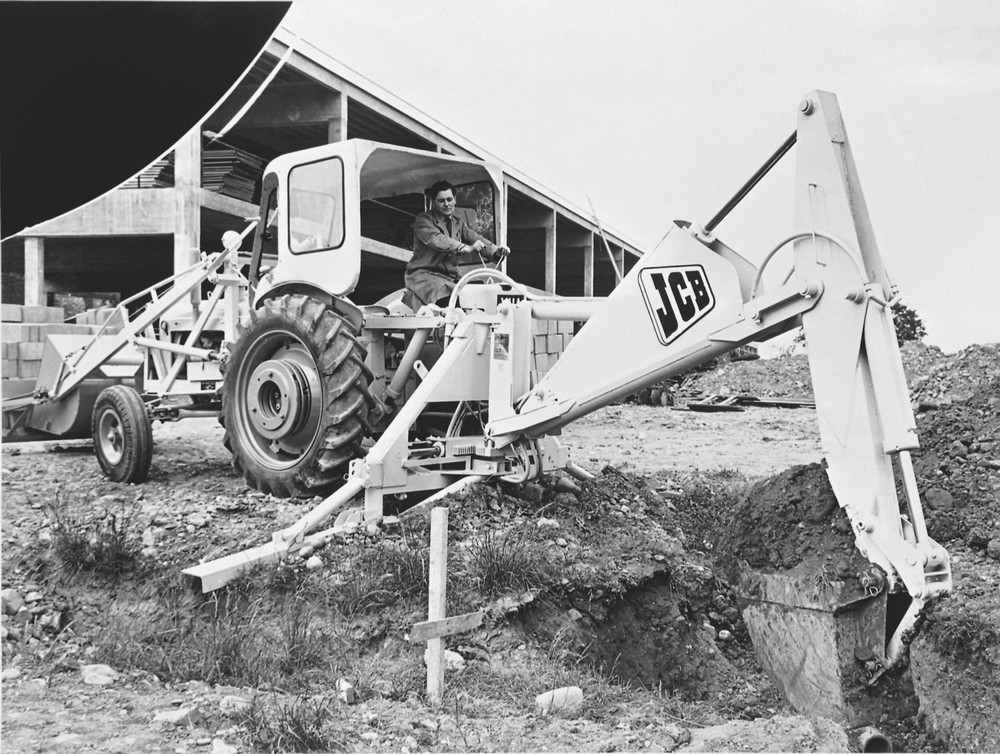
[441, 241]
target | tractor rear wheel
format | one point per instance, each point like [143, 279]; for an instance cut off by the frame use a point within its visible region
[123, 434]
[295, 397]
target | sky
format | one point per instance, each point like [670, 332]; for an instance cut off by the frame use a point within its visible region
[660, 110]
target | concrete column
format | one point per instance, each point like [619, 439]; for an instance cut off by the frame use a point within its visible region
[337, 125]
[187, 183]
[34, 271]
[588, 266]
[550, 252]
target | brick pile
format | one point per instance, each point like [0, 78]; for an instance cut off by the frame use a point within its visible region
[550, 339]
[25, 330]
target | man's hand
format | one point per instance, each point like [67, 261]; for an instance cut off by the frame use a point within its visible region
[478, 245]
[500, 254]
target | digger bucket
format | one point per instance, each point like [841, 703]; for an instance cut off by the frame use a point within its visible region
[819, 641]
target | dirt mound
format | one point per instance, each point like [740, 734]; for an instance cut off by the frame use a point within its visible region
[931, 374]
[612, 567]
[958, 465]
[791, 522]
[936, 378]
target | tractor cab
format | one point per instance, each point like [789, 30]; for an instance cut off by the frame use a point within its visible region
[339, 218]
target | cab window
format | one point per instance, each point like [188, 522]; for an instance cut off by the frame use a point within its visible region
[316, 206]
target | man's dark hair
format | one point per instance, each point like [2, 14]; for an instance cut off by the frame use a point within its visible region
[438, 187]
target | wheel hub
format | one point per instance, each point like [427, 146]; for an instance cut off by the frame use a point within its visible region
[282, 398]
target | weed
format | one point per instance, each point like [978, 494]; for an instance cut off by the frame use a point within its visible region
[104, 542]
[298, 724]
[501, 562]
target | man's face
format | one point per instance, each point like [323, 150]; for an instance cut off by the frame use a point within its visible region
[444, 203]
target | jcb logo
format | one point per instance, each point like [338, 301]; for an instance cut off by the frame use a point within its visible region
[676, 297]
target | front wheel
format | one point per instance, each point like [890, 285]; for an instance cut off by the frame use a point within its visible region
[123, 434]
[295, 398]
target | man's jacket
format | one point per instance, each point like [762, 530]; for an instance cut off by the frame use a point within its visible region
[436, 242]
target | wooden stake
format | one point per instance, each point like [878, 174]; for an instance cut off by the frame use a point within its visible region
[436, 599]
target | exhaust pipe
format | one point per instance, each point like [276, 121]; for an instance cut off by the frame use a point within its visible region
[872, 739]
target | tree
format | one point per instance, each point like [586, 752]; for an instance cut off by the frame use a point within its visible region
[909, 326]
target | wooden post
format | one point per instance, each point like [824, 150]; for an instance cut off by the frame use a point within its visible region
[437, 626]
[436, 599]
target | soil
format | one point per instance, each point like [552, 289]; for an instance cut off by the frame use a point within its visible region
[628, 594]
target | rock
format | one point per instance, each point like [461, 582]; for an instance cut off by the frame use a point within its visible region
[4, 633]
[372, 530]
[11, 601]
[567, 699]
[993, 549]
[182, 716]
[148, 538]
[221, 747]
[939, 499]
[977, 538]
[533, 492]
[23, 616]
[958, 448]
[409, 744]
[346, 692]
[561, 542]
[574, 614]
[314, 563]
[66, 738]
[233, 705]
[33, 597]
[198, 520]
[9, 674]
[680, 735]
[453, 661]
[725, 635]
[369, 736]
[307, 552]
[566, 500]
[98, 675]
[547, 523]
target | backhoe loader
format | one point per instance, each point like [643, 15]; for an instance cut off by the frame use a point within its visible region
[361, 404]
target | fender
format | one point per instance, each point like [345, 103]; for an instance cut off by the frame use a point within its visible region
[346, 309]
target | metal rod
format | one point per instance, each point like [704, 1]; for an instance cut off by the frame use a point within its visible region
[754, 180]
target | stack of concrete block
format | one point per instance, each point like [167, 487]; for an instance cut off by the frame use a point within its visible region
[25, 329]
[94, 316]
[550, 339]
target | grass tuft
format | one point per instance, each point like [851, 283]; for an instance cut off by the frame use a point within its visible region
[105, 542]
[503, 562]
[298, 724]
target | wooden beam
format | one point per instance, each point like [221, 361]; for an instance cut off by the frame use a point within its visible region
[125, 212]
[456, 624]
[34, 271]
[279, 105]
[187, 198]
[227, 204]
[528, 218]
[385, 250]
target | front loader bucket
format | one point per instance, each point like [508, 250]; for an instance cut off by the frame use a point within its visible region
[69, 416]
[819, 641]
